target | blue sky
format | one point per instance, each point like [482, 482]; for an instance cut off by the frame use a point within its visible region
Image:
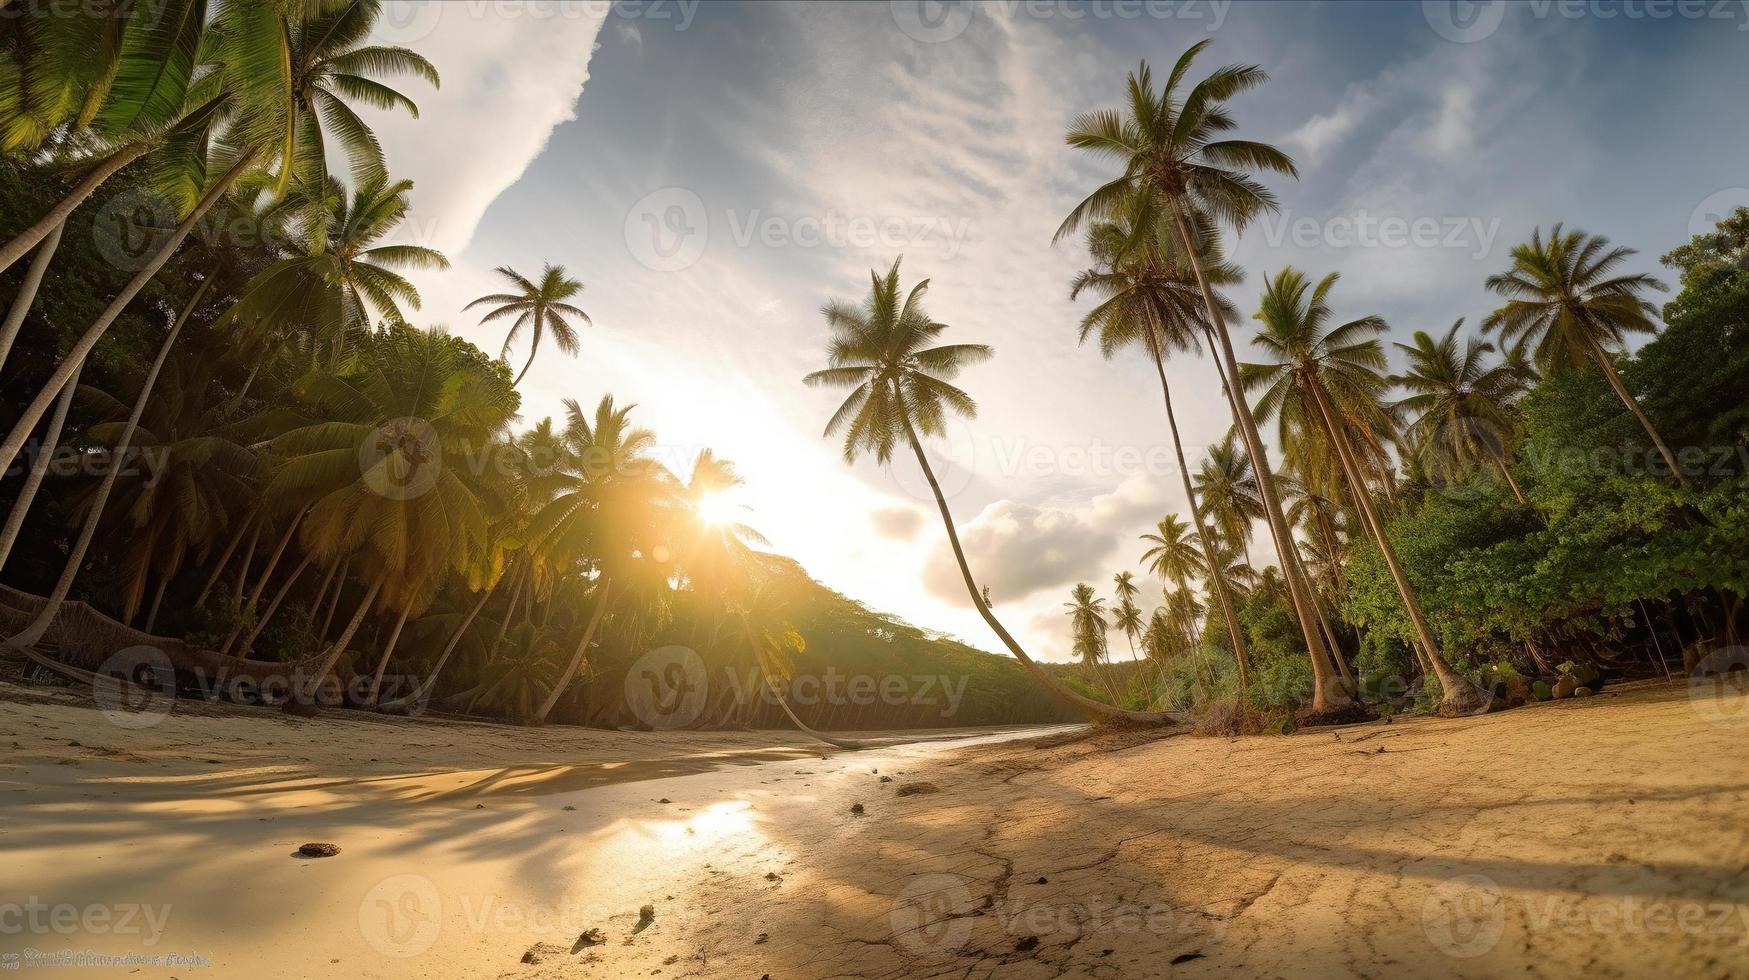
[715, 172]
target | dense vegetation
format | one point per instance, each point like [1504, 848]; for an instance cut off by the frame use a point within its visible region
[262, 456]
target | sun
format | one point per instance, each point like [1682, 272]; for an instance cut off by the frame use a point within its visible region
[717, 508]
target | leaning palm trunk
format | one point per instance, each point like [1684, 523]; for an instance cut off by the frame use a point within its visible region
[564, 681]
[1325, 695]
[423, 694]
[1458, 695]
[1110, 714]
[21, 303]
[1202, 533]
[224, 561]
[50, 223]
[261, 581]
[302, 696]
[76, 557]
[376, 680]
[38, 469]
[1598, 354]
[38, 407]
[260, 624]
[783, 702]
[1506, 471]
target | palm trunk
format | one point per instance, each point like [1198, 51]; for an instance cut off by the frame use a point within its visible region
[57, 216]
[332, 657]
[1093, 709]
[39, 468]
[64, 584]
[157, 600]
[455, 639]
[261, 582]
[1627, 399]
[38, 407]
[376, 680]
[224, 561]
[595, 617]
[533, 346]
[273, 606]
[334, 601]
[248, 560]
[33, 278]
[524, 574]
[1506, 471]
[1458, 695]
[1202, 532]
[1323, 698]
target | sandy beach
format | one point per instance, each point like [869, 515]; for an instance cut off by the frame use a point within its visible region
[1603, 835]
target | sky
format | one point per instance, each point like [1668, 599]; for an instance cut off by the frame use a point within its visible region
[716, 172]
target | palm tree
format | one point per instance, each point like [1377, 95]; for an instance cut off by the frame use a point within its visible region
[1150, 300]
[1565, 298]
[885, 351]
[605, 516]
[1320, 377]
[1127, 617]
[1176, 167]
[539, 307]
[1227, 485]
[388, 474]
[280, 80]
[1088, 626]
[1171, 555]
[339, 273]
[1460, 403]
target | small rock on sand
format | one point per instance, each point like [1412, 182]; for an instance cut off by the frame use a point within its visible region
[592, 937]
[856, 808]
[917, 789]
[318, 850]
[1025, 943]
[886, 779]
[541, 952]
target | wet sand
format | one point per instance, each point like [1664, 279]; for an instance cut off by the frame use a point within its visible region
[1605, 835]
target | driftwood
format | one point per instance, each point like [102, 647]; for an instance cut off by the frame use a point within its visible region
[83, 644]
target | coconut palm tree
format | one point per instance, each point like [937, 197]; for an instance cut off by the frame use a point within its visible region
[1171, 555]
[280, 80]
[607, 516]
[1321, 374]
[1088, 628]
[539, 306]
[1178, 169]
[1127, 617]
[1150, 300]
[886, 351]
[1227, 485]
[1461, 405]
[339, 273]
[1567, 299]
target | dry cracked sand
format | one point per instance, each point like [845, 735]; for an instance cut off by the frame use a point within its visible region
[1606, 836]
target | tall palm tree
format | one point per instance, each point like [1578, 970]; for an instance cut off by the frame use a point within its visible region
[1461, 405]
[1171, 555]
[1088, 626]
[281, 76]
[539, 306]
[1567, 299]
[1127, 617]
[1320, 375]
[1177, 167]
[886, 352]
[607, 515]
[1150, 300]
